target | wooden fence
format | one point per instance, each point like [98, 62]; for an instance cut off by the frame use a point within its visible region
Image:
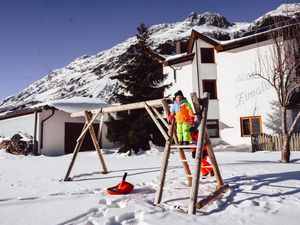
[273, 142]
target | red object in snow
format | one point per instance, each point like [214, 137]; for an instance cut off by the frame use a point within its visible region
[122, 188]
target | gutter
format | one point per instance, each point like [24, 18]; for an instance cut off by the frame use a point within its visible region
[197, 71]
[43, 122]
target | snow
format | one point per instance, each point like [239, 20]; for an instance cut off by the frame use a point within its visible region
[4, 139]
[25, 137]
[175, 56]
[75, 104]
[262, 190]
[284, 9]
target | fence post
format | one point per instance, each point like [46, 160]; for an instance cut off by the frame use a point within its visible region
[273, 142]
[254, 142]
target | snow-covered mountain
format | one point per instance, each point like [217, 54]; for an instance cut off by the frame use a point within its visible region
[89, 76]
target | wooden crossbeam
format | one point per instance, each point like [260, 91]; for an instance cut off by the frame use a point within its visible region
[119, 108]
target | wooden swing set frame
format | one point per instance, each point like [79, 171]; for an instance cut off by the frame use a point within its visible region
[200, 107]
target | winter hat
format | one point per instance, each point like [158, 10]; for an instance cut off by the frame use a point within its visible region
[178, 93]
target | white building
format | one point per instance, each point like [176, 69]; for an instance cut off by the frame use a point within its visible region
[239, 105]
[53, 127]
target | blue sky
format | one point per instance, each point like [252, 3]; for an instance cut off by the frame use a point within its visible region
[38, 36]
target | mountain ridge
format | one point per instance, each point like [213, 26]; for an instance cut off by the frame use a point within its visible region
[89, 76]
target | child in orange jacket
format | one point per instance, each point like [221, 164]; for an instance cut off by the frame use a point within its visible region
[182, 111]
[206, 167]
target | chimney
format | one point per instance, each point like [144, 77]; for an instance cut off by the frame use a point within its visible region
[178, 50]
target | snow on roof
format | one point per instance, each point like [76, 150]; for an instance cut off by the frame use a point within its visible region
[175, 56]
[75, 104]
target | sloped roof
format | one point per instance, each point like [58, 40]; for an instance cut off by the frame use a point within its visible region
[179, 59]
[196, 35]
[75, 104]
[23, 112]
[256, 36]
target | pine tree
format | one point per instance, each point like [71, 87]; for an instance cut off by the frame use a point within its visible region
[142, 80]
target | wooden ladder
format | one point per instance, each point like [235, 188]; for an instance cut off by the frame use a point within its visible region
[203, 137]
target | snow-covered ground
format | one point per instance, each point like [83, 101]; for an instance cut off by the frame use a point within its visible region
[262, 190]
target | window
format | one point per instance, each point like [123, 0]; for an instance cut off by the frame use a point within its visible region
[210, 86]
[207, 55]
[213, 128]
[250, 125]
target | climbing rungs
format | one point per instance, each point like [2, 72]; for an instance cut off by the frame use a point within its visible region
[201, 109]
[183, 146]
[202, 167]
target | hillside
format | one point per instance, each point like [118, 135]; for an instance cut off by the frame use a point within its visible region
[89, 76]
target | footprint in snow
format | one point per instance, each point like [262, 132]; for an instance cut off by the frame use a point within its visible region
[126, 218]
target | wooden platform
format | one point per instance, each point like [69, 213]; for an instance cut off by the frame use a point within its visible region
[184, 146]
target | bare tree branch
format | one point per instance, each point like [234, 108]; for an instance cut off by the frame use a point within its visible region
[291, 130]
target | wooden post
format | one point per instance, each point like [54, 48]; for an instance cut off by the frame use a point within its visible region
[160, 117]
[164, 166]
[99, 137]
[212, 196]
[88, 117]
[180, 150]
[75, 152]
[199, 154]
[210, 150]
[213, 160]
[161, 129]
[91, 121]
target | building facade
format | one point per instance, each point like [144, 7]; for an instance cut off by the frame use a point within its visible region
[53, 128]
[240, 104]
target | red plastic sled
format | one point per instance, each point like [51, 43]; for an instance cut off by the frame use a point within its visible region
[122, 188]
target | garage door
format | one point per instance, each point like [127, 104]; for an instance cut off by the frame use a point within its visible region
[72, 132]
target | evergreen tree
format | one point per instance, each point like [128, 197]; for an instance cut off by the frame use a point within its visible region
[142, 80]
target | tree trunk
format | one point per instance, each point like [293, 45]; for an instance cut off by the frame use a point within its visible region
[285, 152]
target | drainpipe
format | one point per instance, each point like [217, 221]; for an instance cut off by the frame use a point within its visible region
[35, 152]
[174, 70]
[43, 121]
[198, 77]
